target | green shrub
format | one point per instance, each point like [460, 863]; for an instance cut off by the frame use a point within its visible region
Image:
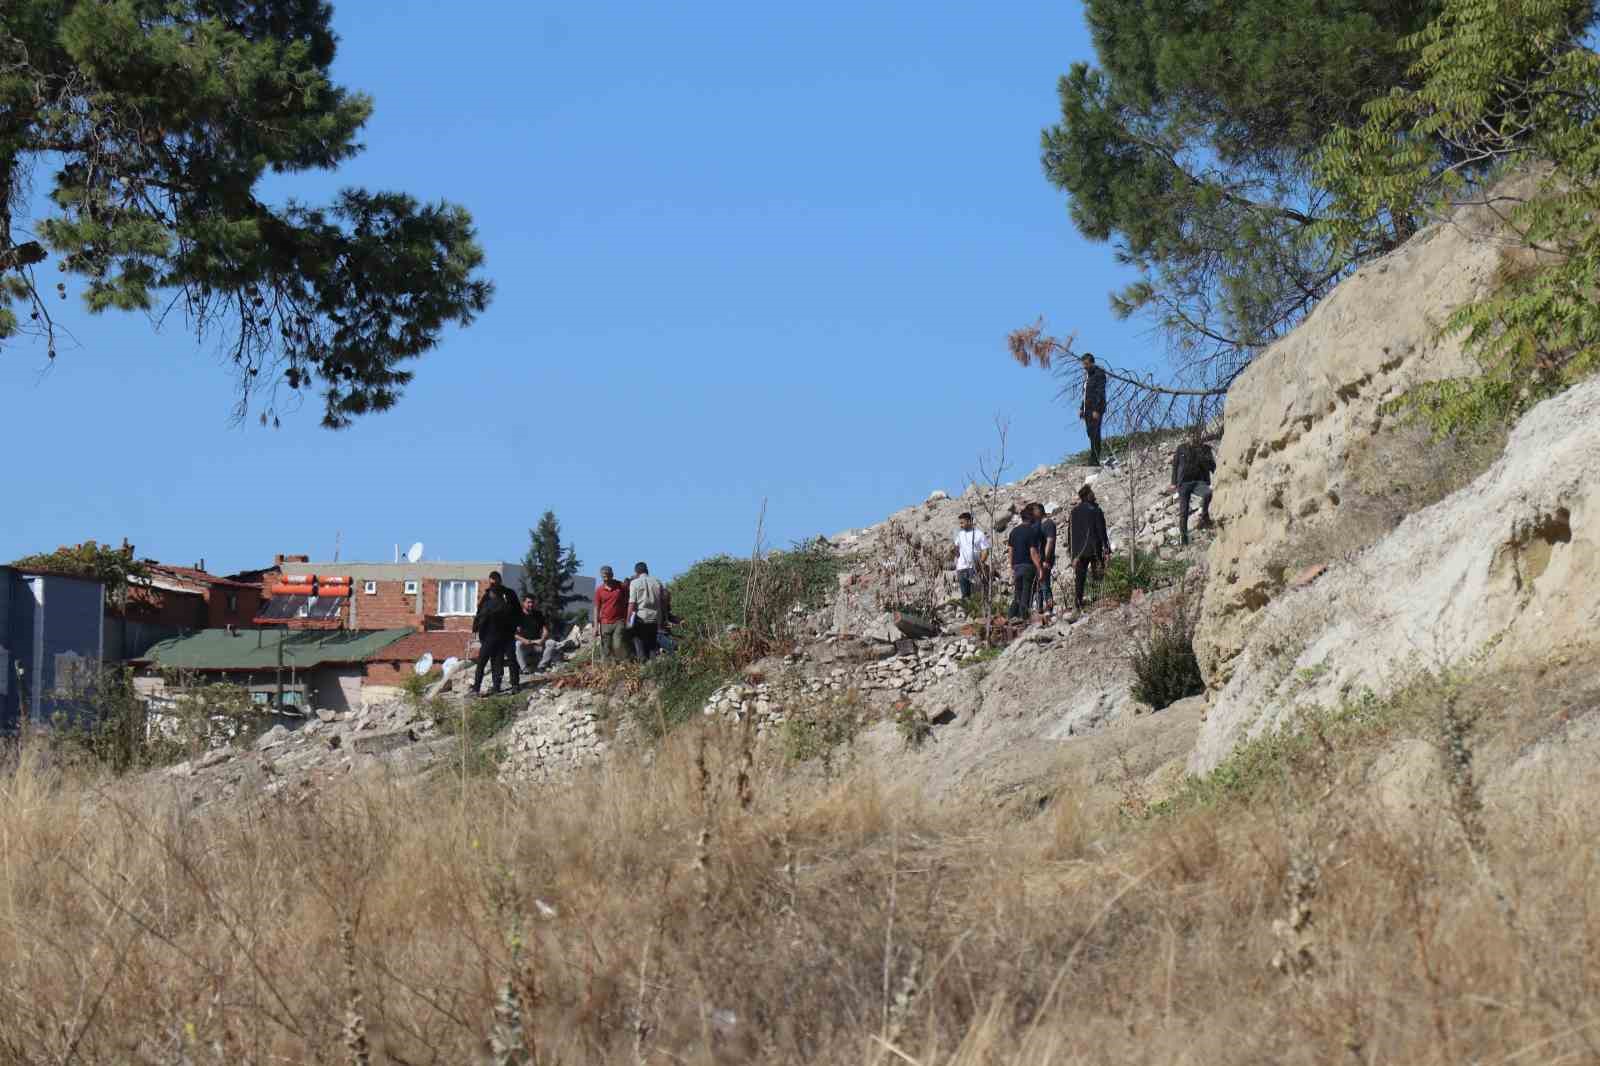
[684, 681]
[1165, 669]
[814, 732]
[722, 592]
[913, 725]
[483, 719]
[1146, 572]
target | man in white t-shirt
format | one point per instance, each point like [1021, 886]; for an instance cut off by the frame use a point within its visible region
[972, 552]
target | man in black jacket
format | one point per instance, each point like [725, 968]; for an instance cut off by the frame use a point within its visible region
[1192, 466]
[1093, 408]
[1088, 541]
[495, 622]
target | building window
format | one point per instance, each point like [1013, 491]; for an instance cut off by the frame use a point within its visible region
[458, 597]
[411, 588]
[370, 587]
[233, 603]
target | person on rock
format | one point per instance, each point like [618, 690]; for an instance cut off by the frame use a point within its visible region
[610, 617]
[1026, 562]
[644, 612]
[1045, 599]
[495, 622]
[1093, 408]
[971, 552]
[536, 648]
[1088, 542]
[1192, 467]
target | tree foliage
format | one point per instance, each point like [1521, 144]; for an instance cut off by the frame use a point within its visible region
[115, 568]
[1503, 87]
[1192, 147]
[549, 567]
[159, 119]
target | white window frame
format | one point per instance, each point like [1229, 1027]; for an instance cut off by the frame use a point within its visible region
[370, 588]
[412, 587]
[458, 597]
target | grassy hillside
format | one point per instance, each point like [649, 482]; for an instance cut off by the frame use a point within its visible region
[706, 908]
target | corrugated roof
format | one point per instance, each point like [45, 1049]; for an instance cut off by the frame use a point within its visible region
[403, 571]
[257, 649]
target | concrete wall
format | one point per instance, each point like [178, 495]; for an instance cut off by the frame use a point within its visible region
[53, 627]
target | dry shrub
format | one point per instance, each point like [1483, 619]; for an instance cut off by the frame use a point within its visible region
[707, 908]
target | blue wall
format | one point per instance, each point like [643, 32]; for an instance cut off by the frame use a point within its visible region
[48, 625]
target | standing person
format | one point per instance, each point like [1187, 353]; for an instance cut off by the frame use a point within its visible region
[1026, 561]
[536, 650]
[1088, 541]
[971, 552]
[644, 611]
[1047, 556]
[495, 622]
[1192, 467]
[610, 616]
[1093, 408]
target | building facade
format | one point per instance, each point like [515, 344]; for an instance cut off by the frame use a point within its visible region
[52, 642]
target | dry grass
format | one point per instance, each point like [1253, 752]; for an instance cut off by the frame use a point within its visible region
[700, 909]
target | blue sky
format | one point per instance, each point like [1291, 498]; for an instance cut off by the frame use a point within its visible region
[742, 252]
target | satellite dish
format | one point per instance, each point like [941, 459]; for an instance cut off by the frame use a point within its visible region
[450, 665]
[424, 664]
[414, 553]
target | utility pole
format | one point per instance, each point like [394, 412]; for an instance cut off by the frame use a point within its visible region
[281, 634]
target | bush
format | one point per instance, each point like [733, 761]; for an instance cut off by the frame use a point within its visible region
[1164, 665]
[721, 592]
[112, 726]
[483, 719]
[1146, 572]
[685, 680]
[814, 732]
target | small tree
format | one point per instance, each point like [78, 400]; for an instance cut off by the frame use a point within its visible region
[549, 567]
[114, 568]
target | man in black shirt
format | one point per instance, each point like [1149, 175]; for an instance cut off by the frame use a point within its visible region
[1045, 598]
[1026, 562]
[1088, 541]
[536, 651]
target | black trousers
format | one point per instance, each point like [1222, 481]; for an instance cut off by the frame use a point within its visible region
[1091, 425]
[492, 649]
[1022, 578]
[1080, 576]
[645, 644]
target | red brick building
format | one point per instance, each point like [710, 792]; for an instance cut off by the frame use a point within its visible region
[187, 597]
[425, 596]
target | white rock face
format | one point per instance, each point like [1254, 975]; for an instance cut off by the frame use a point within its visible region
[1506, 570]
[1297, 415]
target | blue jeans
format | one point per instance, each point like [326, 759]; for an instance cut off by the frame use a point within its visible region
[1022, 577]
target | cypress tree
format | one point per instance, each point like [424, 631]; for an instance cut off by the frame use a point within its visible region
[548, 569]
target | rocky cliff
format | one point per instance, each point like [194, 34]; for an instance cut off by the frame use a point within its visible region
[1353, 549]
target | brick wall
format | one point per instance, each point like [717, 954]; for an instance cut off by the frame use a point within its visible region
[247, 606]
[390, 608]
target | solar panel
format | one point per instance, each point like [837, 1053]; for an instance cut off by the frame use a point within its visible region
[302, 608]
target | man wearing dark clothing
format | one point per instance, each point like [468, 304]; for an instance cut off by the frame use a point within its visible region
[1088, 542]
[536, 649]
[1192, 466]
[1026, 561]
[1093, 408]
[1046, 597]
[495, 622]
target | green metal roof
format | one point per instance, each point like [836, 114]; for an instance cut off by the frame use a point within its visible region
[257, 649]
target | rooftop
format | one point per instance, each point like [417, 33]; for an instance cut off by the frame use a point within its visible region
[257, 649]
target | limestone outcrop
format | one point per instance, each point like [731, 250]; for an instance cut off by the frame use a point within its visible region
[1504, 572]
[1304, 477]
